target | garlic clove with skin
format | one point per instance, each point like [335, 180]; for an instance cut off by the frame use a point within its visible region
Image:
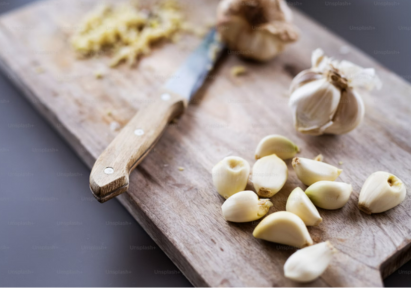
[329, 195]
[381, 192]
[283, 228]
[269, 175]
[230, 175]
[299, 204]
[309, 263]
[245, 206]
[310, 171]
[279, 145]
[256, 29]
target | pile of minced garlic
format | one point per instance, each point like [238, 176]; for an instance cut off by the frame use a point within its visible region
[128, 30]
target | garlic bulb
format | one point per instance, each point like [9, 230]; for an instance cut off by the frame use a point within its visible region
[310, 171]
[309, 263]
[230, 175]
[279, 145]
[325, 100]
[299, 204]
[256, 29]
[283, 228]
[381, 192]
[269, 175]
[245, 206]
[329, 194]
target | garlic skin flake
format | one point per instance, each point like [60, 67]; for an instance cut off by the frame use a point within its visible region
[329, 195]
[230, 175]
[283, 228]
[309, 263]
[299, 204]
[279, 145]
[325, 98]
[256, 29]
[381, 192]
[245, 206]
[310, 171]
[269, 175]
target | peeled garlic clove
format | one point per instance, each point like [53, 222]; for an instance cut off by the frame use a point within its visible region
[309, 263]
[283, 228]
[328, 194]
[269, 175]
[311, 171]
[230, 175]
[381, 192]
[299, 204]
[281, 146]
[314, 105]
[349, 114]
[319, 157]
[245, 206]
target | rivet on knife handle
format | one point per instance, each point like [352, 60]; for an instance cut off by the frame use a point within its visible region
[110, 174]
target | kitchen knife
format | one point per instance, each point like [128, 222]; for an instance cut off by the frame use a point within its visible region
[110, 174]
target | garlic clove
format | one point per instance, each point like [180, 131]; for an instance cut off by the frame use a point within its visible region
[311, 171]
[299, 204]
[230, 175]
[314, 105]
[309, 263]
[329, 194]
[283, 228]
[302, 78]
[381, 192]
[319, 157]
[245, 206]
[349, 114]
[269, 175]
[281, 146]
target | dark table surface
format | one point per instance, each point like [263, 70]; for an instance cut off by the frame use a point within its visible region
[53, 232]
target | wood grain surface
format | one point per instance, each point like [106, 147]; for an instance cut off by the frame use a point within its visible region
[180, 209]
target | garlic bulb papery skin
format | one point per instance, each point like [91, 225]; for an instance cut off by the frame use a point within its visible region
[230, 175]
[283, 228]
[309, 263]
[329, 195]
[279, 145]
[269, 175]
[325, 98]
[310, 171]
[245, 206]
[381, 192]
[256, 29]
[299, 204]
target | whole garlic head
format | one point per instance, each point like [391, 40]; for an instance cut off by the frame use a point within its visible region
[325, 98]
[256, 29]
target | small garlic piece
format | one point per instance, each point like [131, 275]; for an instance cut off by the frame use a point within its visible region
[310, 171]
[381, 192]
[329, 194]
[325, 98]
[283, 228]
[256, 29]
[299, 204]
[309, 263]
[319, 157]
[278, 145]
[245, 206]
[230, 175]
[269, 175]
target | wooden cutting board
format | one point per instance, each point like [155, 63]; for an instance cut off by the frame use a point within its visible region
[181, 209]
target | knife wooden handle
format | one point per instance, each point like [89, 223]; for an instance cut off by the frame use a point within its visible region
[110, 174]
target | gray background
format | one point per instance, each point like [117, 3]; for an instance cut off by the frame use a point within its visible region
[53, 232]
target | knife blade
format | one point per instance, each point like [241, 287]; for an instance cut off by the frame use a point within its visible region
[109, 176]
